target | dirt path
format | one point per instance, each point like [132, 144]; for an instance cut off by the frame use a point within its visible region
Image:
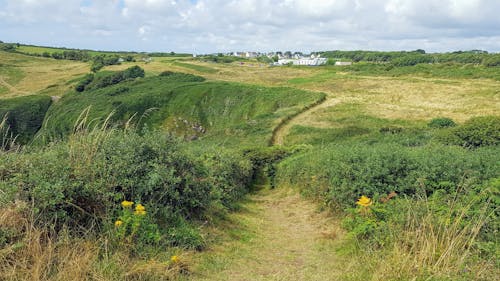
[278, 236]
[302, 118]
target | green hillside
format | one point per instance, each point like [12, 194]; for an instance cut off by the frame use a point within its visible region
[219, 111]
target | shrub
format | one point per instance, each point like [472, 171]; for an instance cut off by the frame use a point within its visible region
[442, 122]
[181, 77]
[87, 79]
[80, 184]
[339, 174]
[91, 82]
[479, 131]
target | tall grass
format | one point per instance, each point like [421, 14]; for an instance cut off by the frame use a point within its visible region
[433, 245]
[7, 139]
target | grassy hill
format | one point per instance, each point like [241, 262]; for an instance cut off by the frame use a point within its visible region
[220, 111]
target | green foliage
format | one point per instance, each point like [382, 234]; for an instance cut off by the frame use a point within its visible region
[87, 79]
[93, 82]
[479, 131]
[7, 47]
[101, 61]
[24, 115]
[223, 112]
[342, 173]
[135, 228]
[195, 67]
[442, 122]
[410, 60]
[81, 183]
[182, 77]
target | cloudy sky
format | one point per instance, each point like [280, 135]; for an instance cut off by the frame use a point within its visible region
[205, 26]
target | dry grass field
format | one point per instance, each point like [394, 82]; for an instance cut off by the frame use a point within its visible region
[406, 97]
[26, 75]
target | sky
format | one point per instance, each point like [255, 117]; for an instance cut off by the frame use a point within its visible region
[209, 26]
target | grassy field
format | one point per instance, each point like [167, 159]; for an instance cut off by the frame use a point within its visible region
[25, 75]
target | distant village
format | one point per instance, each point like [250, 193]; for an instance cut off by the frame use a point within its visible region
[288, 58]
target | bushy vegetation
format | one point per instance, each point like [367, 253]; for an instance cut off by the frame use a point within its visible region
[442, 122]
[80, 184]
[345, 172]
[92, 82]
[479, 131]
[418, 56]
[412, 205]
[182, 77]
[23, 116]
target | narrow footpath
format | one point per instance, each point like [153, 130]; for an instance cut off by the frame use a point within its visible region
[277, 235]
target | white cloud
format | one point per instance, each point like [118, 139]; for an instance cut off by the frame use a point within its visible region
[224, 25]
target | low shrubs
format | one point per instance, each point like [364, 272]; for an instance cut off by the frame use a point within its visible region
[442, 122]
[92, 82]
[339, 174]
[479, 131]
[79, 185]
[181, 77]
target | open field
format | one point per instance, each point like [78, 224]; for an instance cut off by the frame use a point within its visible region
[24, 75]
[411, 96]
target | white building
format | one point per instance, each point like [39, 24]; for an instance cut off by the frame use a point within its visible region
[342, 63]
[303, 61]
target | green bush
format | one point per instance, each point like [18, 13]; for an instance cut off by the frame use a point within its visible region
[442, 122]
[87, 79]
[80, 184]
[479, 131]
[111, 78]
[338, 175]
[181, 77]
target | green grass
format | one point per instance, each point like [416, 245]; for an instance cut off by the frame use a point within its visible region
[229, 112]
[441, 70]
[199, 68]
[24, 115]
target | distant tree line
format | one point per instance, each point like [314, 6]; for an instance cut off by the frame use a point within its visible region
[409, 58]
[8, 47]
[171, 54]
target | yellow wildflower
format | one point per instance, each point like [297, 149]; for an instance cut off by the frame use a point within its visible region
[174, 259]
[140, 210]
[127, 204]
[118, 223]
[364, 201]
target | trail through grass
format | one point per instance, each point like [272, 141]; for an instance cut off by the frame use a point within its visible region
[277, 235]
[303, 118]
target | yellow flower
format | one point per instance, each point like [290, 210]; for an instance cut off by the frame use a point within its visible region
[118, 223]
[364, 201]
[127, 204]
[140, 207]
[140, 210]
[174, 259]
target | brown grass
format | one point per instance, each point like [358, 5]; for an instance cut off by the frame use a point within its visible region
[39, 75]
[39, 256]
